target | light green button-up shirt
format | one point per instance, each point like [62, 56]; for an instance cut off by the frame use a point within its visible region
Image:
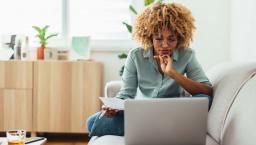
[141, 72]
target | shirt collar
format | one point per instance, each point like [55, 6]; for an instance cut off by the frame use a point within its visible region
[175, 54]
[149, 53]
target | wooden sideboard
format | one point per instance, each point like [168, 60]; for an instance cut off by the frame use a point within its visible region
[49, 96]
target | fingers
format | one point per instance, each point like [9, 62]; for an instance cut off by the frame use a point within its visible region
[163, 59]
[104, 107]
[109, 111]
[168, 59]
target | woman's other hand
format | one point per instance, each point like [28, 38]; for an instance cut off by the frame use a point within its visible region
[109, 112]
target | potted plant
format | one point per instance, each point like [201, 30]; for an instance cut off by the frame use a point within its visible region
[42, 39]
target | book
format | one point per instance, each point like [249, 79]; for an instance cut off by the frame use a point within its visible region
[33, 139]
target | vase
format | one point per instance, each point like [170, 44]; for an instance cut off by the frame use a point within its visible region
[40, 53]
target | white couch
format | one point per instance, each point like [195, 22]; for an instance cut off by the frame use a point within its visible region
[232, 117]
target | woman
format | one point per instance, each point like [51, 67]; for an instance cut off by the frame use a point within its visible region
[157, 68]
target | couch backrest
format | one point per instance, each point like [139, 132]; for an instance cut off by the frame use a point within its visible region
[112, 88]
[227, 79]
[240, 125]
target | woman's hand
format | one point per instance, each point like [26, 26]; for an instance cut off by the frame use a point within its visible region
[165, 62]
[109, 112]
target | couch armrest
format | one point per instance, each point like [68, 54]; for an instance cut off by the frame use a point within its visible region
[112, 88]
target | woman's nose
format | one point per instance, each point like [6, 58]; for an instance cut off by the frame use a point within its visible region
[165, 43]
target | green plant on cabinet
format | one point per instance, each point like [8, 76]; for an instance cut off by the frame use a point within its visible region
[43, 38]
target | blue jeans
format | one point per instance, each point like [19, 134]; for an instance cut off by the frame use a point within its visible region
[90, 121]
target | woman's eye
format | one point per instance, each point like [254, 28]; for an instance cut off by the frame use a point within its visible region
[171, 40]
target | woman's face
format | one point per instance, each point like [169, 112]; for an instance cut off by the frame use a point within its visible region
[164, 43]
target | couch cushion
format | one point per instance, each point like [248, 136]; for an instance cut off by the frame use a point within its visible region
[227, 79]
[107, 140]
[240, 124]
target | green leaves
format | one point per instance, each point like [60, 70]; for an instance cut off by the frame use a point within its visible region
[148, 2]
[160, 1]
[132, 9]
[121, 71]
[122, 56]
[52, 35]
[37, 29]
[129, 27]
[41, 34]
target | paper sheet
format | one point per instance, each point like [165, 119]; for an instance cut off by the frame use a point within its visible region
[114, 103]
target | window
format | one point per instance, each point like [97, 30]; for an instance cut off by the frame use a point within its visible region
[100, 19]
[18, 16]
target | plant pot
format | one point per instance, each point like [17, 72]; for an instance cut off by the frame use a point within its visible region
[40, 53]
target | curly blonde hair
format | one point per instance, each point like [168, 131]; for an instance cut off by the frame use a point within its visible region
[159, 16]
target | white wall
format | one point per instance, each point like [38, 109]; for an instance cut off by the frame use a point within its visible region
[211, 40]
[212, 37]
[243, 30]
[111, 62]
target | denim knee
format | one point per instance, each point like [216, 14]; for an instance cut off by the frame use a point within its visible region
[90, 121]
[204, 95]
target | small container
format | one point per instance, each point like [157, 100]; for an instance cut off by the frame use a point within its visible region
[17, 50]
[25, 49]
[63, 54]
[50, 54]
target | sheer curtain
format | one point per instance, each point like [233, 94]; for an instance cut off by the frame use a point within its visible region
[243, 30]
[18, 16]
[101, 19]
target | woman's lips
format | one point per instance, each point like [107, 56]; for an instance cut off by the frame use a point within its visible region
[163, 52]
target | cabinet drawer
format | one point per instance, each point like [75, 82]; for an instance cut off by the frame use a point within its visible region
[15, 109]
[16, 74]
[70, 90]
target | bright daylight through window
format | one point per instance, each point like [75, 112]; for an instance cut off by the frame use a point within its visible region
[101, 19]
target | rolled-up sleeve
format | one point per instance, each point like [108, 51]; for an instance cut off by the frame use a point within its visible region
[129, 78]
[195, 72]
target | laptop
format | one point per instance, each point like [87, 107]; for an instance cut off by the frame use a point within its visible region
[172, 121]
